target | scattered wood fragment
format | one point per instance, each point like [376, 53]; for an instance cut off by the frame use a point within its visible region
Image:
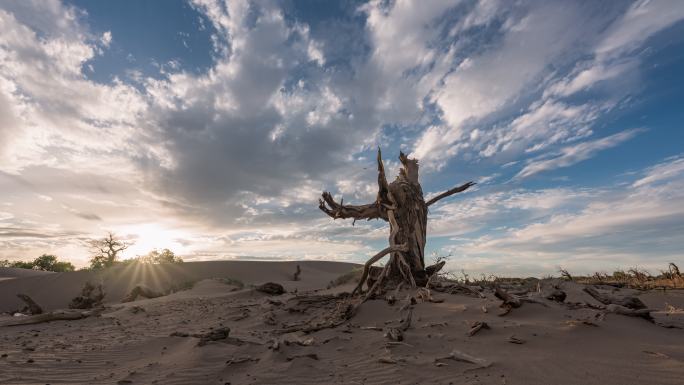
[376, 328]
[576, 322]
[240, 360]
[31, 308]
[394, 334]
[387, 360]
[458, 355]
[271, 288]
[656, 354]
[212, 335]
[397, 343]
[476, 327]
[515, 340]
[312, 356]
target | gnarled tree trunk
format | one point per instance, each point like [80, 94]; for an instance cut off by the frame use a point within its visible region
[400, 203]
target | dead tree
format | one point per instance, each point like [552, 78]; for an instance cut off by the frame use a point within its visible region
[400, 203]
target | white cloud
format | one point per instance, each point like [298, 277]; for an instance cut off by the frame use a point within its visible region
[669, 169]
[643, 19]
[576, 153]
[597, 229]
[106, 39]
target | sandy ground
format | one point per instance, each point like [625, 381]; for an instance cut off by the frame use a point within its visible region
[131, 343]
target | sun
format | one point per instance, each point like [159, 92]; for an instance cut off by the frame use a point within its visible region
[144, 238]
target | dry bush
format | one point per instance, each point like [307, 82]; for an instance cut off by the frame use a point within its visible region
[637, 278]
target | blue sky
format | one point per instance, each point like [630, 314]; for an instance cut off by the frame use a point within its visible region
[211, 127]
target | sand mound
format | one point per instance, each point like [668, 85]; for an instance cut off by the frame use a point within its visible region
[55, 290]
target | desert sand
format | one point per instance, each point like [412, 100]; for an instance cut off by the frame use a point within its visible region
[180, 338]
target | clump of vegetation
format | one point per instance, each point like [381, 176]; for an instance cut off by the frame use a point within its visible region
[635, 278]
[155, 257]
[45, 262]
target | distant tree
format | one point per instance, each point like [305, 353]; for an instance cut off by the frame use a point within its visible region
[49, 262]
[45, 262]
[164, 256]
[22, 265]
[106, 251]
[160, 257]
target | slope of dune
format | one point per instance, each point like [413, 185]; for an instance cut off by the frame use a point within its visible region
[55, 290]
[7, 273]
[173, 339]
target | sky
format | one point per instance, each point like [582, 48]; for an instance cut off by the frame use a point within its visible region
[211, 128]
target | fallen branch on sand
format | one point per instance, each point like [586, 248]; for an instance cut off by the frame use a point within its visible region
[622, 310]
[476, 327]
[458, 355]
[205, 338]
[510, 301]
[607, 299]
[57, 315]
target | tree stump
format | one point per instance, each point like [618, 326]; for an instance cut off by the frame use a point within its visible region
[400, 203]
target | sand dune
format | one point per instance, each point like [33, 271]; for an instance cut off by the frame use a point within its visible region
[55, 290]
[157, 340]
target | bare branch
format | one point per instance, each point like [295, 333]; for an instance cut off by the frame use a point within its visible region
[453, 191]
[336, 210]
